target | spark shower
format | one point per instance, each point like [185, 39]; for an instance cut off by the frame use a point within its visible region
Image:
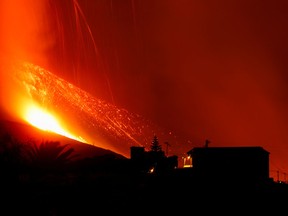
[33, 38]
[205, 70]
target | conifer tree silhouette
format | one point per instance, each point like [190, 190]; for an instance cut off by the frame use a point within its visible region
[155, 145]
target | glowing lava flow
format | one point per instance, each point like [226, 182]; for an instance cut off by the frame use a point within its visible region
[28, 32]
[45, 121]
[98, 122]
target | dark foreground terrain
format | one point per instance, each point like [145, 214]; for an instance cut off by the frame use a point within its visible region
[44, 181]
[122, 193]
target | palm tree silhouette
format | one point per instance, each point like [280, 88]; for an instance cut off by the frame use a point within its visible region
[50, 155]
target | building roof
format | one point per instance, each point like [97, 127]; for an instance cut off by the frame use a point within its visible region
[227, 149]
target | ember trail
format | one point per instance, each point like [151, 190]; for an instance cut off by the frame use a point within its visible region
[97, 121]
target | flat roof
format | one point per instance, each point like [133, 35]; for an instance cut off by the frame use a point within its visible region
[228, 148]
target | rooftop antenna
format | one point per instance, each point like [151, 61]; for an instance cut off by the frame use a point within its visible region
[207, 142]
[278, 176]
[167, 145]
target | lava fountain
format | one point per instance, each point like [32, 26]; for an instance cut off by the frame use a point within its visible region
[99, 123]
[36, 95]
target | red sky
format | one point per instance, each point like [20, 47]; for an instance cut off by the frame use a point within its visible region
[203, 69]
[206, 70]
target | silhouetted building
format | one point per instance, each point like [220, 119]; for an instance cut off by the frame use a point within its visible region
[137, 152]
[152, 161]
[230, 163]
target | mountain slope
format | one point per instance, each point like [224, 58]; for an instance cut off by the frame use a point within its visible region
[29, 134]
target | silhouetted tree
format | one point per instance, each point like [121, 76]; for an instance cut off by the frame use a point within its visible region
[156, 155]
[155, 145]
[50, 155]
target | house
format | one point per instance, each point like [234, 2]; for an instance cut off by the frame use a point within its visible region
[230, 163]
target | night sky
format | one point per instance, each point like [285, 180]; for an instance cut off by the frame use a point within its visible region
[212, 70]
[205, 70]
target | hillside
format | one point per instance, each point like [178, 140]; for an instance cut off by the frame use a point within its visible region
[26, 133]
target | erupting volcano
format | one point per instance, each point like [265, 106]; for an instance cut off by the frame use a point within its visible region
[115, 73]
[93, 120]
[38, 96]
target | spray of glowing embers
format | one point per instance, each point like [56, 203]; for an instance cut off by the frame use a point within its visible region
[94, 121]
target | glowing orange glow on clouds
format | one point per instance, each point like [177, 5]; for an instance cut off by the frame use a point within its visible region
[45, 121]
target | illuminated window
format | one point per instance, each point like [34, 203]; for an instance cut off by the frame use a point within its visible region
[187, 161]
